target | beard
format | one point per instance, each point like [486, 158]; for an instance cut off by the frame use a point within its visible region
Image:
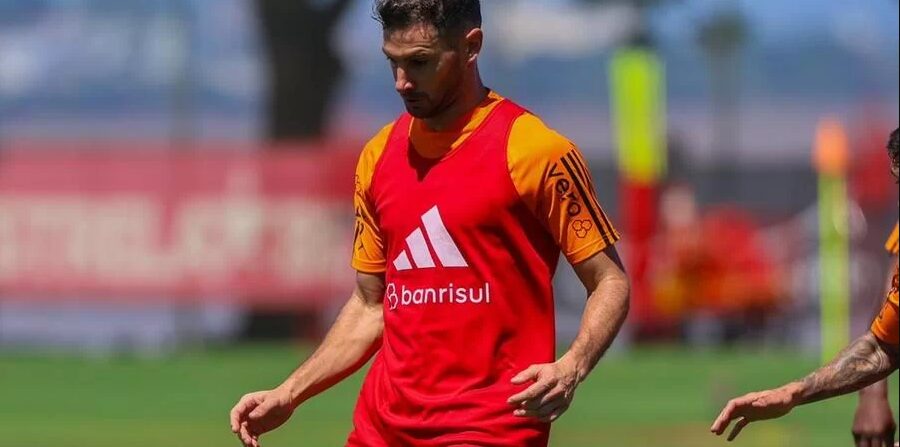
[426, 106]
[421, 108]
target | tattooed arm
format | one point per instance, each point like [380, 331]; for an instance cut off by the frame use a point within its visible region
[866, 361]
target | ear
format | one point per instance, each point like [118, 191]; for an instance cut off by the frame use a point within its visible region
[473, 41]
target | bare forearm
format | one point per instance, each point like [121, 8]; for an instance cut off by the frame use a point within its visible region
[349, 344]
[603, 317]
[877, 389]
[863, 363]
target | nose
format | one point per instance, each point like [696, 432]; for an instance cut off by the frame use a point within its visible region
[402, 83]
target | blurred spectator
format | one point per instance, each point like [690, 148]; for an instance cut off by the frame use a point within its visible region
[712, 263]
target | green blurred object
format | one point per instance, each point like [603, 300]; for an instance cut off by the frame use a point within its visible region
[661, 397]
[830, 160]
[637, 86]
[834, 253]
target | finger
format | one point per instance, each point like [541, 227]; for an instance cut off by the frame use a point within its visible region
[721, 422]
[878, 441]
[530, 373]
[239, 410]
[246, 438]
[743, 422]
[543, 413]
[554, 394]
[544, 407]
[261, 409]
[875, 441]
[553, 416]
[732, 411]
[235, 416]
[557, 393]
[865, 441]
[532, 392]
[889, 437]
[553, 407]
[539, 412]
[858, 440]
[242, 437]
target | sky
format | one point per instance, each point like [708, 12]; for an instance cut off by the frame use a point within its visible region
[83, 66]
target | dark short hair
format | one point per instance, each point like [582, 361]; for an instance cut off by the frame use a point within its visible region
[893, 147]
[447, 16]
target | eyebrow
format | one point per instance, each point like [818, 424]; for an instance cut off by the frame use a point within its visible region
[419, 52]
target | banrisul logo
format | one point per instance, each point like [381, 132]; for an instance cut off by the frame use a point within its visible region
[451, 294]
[428, 247]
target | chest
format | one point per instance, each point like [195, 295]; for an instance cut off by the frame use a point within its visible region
[470, 190]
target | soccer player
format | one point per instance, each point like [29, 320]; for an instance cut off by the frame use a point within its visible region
[873, 424]
[867, 360]
[463, 205]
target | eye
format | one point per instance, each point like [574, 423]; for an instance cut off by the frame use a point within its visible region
[418, 62]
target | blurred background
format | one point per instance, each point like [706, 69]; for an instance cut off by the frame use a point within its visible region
[176, 217]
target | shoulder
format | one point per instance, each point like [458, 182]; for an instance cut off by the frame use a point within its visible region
[532, 144]
[377, 144]
[371, 154]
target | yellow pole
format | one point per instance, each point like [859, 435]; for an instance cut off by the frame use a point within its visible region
[830, 160]
[638, 104]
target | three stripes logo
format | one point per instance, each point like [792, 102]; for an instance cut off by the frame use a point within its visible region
[417, 254]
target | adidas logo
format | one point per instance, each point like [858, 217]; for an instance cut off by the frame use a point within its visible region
[417, 254]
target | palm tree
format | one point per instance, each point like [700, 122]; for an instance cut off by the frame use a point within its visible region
[641, 35]
[721, 37]
[304, 67]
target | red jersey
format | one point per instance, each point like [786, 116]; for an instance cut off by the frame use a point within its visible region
[468, 264]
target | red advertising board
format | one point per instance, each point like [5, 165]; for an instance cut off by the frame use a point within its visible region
[121, 221]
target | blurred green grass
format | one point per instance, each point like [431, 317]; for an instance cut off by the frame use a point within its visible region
[648, 397]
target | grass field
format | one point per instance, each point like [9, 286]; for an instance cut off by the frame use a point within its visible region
[649, 397]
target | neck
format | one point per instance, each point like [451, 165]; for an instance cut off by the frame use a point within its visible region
[470, 95]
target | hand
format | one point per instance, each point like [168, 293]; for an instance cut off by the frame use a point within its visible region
[770, 404]
[551, 392]
[260, 412]
[873, 425]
